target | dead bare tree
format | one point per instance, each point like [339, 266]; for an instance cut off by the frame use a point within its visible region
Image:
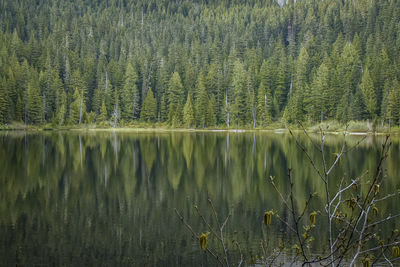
[351, 210]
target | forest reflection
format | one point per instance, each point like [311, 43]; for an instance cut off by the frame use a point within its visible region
[108, 198]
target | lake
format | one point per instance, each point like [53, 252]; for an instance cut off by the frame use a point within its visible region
[105, 198]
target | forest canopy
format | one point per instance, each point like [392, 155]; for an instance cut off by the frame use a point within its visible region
[199, 63]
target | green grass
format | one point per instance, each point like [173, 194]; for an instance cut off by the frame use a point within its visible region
[365, 127]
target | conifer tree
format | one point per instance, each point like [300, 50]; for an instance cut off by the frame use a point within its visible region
[80, 92]
[34, 102]
[358, 107]
[18, 109]
[162, 87]
[211, 119]
[103, 113]
[214, 87]
[177, 119]
[201, 102]
[367, 88]
[188, 112]
[130, 94]
[239, 107]
[264, 105]
[393, 107]
[12, 93]
[175, 99]
[75, 107]
[4, 102]
[280, 90]
[149, 109]
[392, 104]
[61, 107]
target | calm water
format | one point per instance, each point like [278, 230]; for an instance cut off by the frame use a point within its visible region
[108, 199]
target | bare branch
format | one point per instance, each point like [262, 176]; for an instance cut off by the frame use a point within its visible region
[195, 237]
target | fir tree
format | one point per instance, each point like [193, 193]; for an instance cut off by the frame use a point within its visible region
[79, 98]
[149, 109]
[239, 107]
[175, 99]
[34, 102]
[280, 90]
[201, 102]
[75, 107]
[188, 112]
[130, 94]
[367, 88]
[103, 113]
[214, 87]
[211, 119]
[4, 102]
[61, 108]
[264, 105]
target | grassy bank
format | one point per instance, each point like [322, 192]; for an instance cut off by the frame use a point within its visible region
[354, 127]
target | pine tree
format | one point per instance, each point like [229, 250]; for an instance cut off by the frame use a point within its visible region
[75, 106]
[367, 88]
[392, 107]
[12, 93]
[174, 99]
[162, 88]
[357, 106]
[239, 107]
[211, 119]
[80, 93]
[266, 75]
[149, 109]
[177, 119]
[130, 94]
[318, 95]
[201, 102]
[103, 113]
[18, 109]
[4, 102]
[294, 110]
[264, 105]
[34, 102]
[188, 112]
[61, 107]
[280, 90]
[214, 87]
[343, 113]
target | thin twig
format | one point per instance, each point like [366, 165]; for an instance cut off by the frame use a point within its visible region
[195, 237]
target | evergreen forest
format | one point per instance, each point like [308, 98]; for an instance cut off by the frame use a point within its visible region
[199, 63]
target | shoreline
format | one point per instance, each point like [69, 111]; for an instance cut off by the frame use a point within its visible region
[158, 128]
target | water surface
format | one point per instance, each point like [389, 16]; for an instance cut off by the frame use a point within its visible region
[108, 198]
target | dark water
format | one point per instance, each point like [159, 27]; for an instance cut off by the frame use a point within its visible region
[108, 199]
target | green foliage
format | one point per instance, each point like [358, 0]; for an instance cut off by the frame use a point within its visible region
[239, 107]
[174, 99]
[311, 73]
[367, 88]
[74, 111]
[130, 94]
[188, 112]
[4, 103]
[34, 103]
[201, 102]
[264, 105]
[149, 110]
[103, 113]
[211, 118]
